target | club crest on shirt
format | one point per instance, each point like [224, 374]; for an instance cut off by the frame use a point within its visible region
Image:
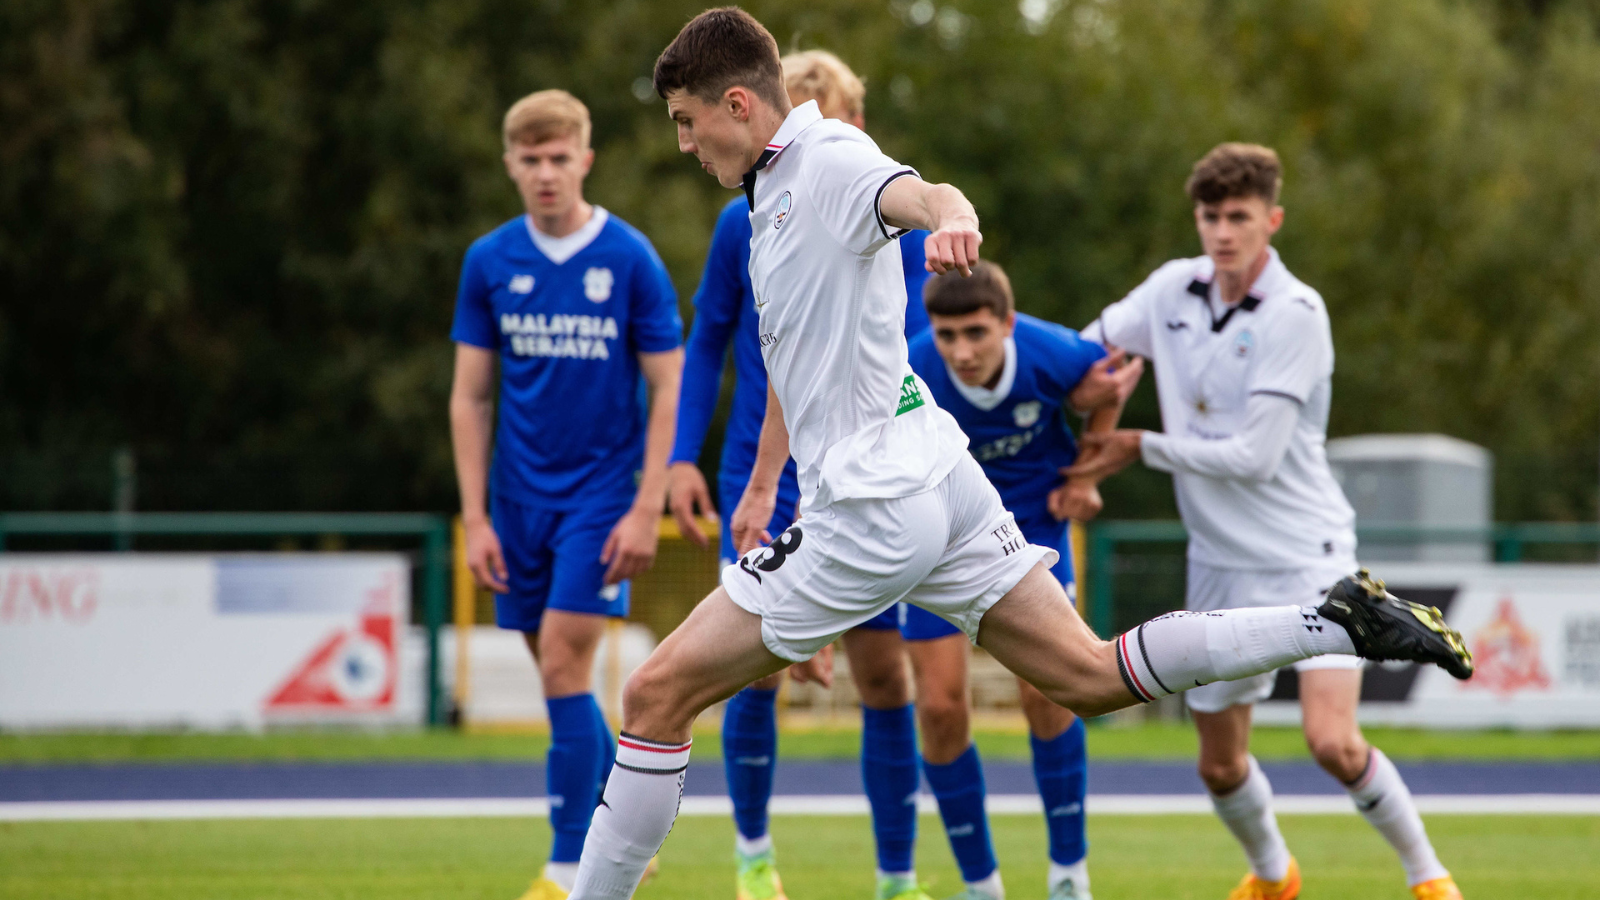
[521, 284]
[1243, 343]
[1025, 414]
[784, 203]
[597, 285]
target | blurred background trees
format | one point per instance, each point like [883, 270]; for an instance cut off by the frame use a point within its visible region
[230, 230]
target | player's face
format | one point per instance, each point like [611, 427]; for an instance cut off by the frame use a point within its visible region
[973, 345]
[1236, 231]
[716, 133]
[549, 174]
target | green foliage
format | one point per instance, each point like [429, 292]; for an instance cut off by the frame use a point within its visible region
[229, 231]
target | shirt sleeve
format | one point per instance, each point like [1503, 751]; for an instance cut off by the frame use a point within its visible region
[1071, 355]
[654, 325]
[846, 180]
[1252, 455]
[1295, 354]
[716, 315]
[474, 319]
[1126, 323]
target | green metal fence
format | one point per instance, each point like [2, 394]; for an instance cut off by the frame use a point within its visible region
[432, 531]
[1107, 559]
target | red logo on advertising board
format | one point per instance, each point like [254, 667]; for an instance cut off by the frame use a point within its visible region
[352, 669]
[1507, 654]
[28, 594]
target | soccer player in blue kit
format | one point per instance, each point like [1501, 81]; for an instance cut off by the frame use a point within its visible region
[1010, 380]
[725, 312]
[577, 308]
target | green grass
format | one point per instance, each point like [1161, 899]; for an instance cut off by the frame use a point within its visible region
[1156, 741]
[1169, 857]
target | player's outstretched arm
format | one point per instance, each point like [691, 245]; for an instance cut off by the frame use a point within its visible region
[1104, 390]
[471, 430]
[631, 546]
[910, 202]
[754, 512]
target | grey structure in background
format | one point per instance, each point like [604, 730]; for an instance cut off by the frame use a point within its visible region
[1418, 481]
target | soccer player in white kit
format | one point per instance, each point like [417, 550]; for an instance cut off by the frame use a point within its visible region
[1243, 356]
[893, 506]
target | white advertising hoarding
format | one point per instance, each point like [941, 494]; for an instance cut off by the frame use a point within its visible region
[1534, 633]
[205, 641]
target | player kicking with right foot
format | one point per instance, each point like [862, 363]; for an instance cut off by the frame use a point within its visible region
[1244, 363]
[893, 506]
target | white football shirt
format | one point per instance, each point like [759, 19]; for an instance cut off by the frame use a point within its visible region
[831, 296]
[1209, 361]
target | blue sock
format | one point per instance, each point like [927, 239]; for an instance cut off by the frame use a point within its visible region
[572, 772]
[959, 789]
[608, 746]
[889, 773]
[749, 750]
[1061, 767]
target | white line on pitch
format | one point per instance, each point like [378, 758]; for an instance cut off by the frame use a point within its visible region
[794, 805]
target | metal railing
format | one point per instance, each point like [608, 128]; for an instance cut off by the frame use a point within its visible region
[432, 530]
[1509, 540]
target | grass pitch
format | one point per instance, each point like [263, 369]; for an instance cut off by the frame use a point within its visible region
[1135, 857]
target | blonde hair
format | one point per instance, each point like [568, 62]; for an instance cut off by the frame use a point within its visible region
[819, 75]
[546, 115]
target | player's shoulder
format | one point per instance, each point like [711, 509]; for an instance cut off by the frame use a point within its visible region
[1288, 298]
[826, 144]
[1042, 343]
[920, 348]
[619, 236]
[733, 222]
[503, 238]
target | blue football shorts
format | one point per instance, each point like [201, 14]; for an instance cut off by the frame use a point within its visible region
[917, 624]
[553, 561]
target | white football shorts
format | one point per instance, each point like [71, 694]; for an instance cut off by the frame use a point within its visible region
[1211, 588]
[953, 550]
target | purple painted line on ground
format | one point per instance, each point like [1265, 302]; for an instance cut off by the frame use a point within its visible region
[333, 780]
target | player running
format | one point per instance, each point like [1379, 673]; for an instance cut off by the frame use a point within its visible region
[575, 305]
[1009, 380]
[893, 506]
[1244, 364]
[725, 312]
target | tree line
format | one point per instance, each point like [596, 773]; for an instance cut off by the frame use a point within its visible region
[230, 230]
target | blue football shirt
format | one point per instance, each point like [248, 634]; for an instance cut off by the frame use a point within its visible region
[572, 407]
[1022, 442]
[725, 312]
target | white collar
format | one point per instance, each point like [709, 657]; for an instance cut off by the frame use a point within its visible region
[982, 397]
[1272, 278]
[799, 119]
[560, 249]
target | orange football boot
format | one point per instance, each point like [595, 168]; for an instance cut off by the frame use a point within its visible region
[1253, 888]
[1437, 889]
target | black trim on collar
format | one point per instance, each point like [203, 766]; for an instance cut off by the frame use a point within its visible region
[877, 201]
[1202, 289]
[749, 180]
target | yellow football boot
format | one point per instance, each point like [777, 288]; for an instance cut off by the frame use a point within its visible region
[1437, 889]
[757, 877]
[544, 889]
[1253, 888]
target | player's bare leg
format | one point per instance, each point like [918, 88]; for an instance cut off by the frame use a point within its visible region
[1242, 798]
[1328, 700]
[715, 652]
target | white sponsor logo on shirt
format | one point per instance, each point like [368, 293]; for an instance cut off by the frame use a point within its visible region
[597, 285]
[521, 284]
[579, 337]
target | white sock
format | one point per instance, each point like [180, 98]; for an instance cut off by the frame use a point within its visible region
[1385, 802]
[752, 846]
[640, 804]
[910, 875]
[1183, 650]
[1247, 811]
[563, 874]
[1077, 873]
[989, 887]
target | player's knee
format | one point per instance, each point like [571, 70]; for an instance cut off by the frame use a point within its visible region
[1343, 755]
[650, 687]
[883, 687]
[1223, 774]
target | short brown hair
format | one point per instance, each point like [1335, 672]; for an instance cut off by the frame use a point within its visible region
[987, 287]
[717, 50]
[1236, 170]
[819, 75]
[546, 115]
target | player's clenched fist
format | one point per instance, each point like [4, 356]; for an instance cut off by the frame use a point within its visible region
[953, 247]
